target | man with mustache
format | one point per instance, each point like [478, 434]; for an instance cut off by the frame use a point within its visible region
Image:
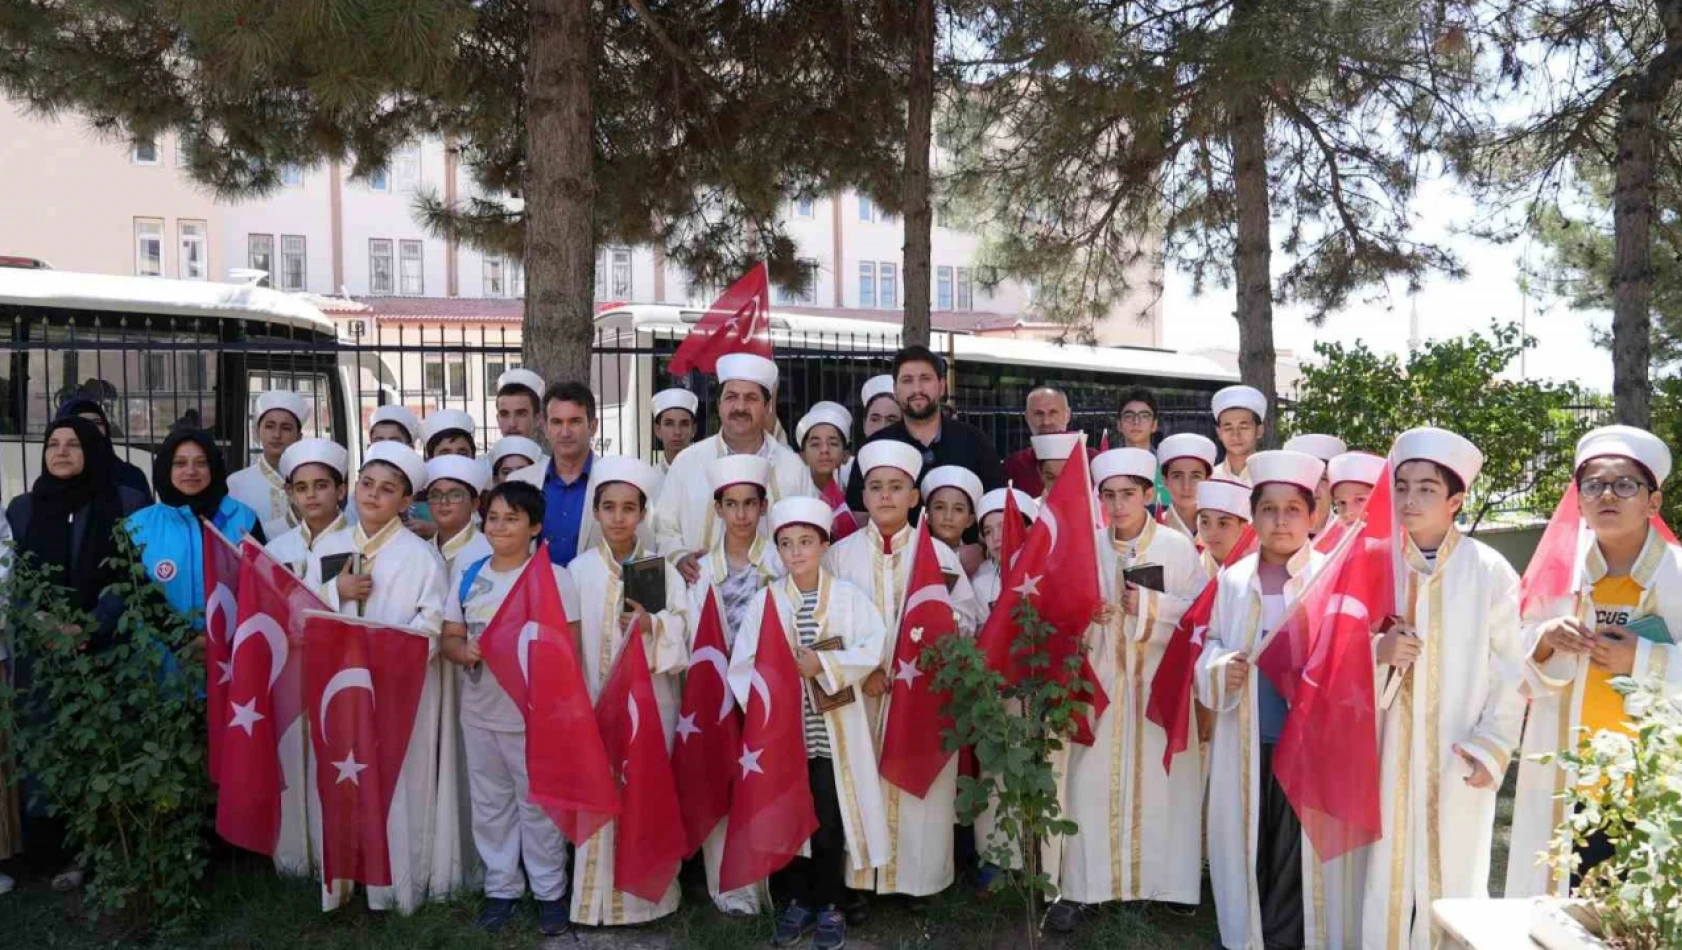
[685, 520]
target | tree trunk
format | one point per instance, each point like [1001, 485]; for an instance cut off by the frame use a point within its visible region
[919, 218]
[559, 192]
[1253, 269]
[1632, 227]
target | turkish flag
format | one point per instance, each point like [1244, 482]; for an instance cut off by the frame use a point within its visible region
[913, 745]
[1320, 661]
[648, 841]
[221, 616]
[1553, 569]
[1326, 543]
[262, 699]
[836, 498]
[739, 321]
[1171, 687]
[771, 811]
[709, 731]
[1059, 553]
[528, 647]
[362, 684]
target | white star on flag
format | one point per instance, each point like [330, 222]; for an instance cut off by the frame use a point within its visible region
[686, 727]
[227, 671]
[349, 769]
[750, 761]
[1030, 586]
[1198, 633]
[916, 634]
[246, 715]
[908, 672]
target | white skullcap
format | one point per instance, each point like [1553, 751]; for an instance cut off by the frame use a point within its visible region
[314, 452]
[405, 459]
[802, 509]
[995, 501]
[824, 414]
[1138, 463]
[516, 445]
[1186, 445]
[675, 399]
[400, 414]
[953, 476]
[875, 386]
[1292, 468]
[1323, 447]
[1218, 494]
[748, 366]
[1239, 397]
[521, 377]
[1638, 445]
[1055, 447]
[474, 473]
[447, 420]
[283, 399]
[893, 454]
[1453, 452]
[738, 470]
[1362, 467]
[625, 468]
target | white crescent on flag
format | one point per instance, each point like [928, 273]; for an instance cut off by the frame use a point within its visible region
[711, 656]
[1048, 517]
[265, 626]
[758, 684]
[933, 593]
[636, 721]
[1346, 605]
[220, 611]
[528, 633]
[356, 677]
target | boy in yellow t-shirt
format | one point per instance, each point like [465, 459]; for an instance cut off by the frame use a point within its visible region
[1615, 600]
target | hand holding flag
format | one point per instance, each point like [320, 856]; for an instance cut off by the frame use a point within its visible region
[913, 751]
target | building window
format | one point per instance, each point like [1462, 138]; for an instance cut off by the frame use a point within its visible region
[291, 175]
[380, 268]
[157, 372]
[493, 372]
[620, 286]
[149, 247]
[601, 274]
[887, 285]
[414, 281]
[408, 163]
[446, 378]
[943, 288]
[197, 372]
[804, 207]
[516, 278]
[379, 180]
[493, 277]
[259, 255]
[292, 260]
[867, 210]
[966, 300]
[867, 284]
[193, 262]
[144, 151]
[805, 293]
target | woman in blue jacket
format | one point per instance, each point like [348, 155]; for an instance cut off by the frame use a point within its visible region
[191, 479]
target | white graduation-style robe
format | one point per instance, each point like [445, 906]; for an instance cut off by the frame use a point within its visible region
[408, 591]
[1461, 691]
[453, 850]
[1141, 829]
[919, 830]
[1225, 473]
[259, 487]
[845, 611]
[601, 599]
[1555, 690]
[301, 551]
[1329, 890]
[1171, 519]
[714, 566]
[685, 520]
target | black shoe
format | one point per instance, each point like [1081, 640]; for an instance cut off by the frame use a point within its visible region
[792, 924]
[857, 909]
[496, 914]
[832, 930]
[553, 918]
[1062, 918]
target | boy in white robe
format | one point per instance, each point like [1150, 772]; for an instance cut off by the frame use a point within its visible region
[396, 578]
[1223, 512]
[878, 560]
[1241, 423]
[315, 471]
[740, 565]
[1186, 460]
[622, 487]
[1325, 448]
[814, 606]
[1271, 890]
[508, 828]
[674, 425]
[512, 453]
[989, 577]
[260, 486]
[1139, 827]
[1453, 720]
[1576, 644]
[454, 484]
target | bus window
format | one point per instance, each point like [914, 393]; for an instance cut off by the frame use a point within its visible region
[148, 379]
[315, 387]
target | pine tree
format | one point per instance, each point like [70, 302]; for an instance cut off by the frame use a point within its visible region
[683, 123]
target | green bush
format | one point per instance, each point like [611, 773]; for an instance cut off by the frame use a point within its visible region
[114, 741]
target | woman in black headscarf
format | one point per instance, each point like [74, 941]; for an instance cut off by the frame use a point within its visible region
[129, 475]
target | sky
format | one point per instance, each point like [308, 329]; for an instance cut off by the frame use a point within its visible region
[1490, 291]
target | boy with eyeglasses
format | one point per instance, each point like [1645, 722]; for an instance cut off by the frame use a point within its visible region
[453, 485]
[1240, 422]
[1580, 640]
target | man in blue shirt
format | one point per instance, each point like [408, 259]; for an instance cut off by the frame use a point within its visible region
[569, 420]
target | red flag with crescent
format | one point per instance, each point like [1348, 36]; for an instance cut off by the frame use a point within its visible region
[648, 839]
[739, 321]
[221, 617]
[913, 747]
[836, 498]
[709, 730]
